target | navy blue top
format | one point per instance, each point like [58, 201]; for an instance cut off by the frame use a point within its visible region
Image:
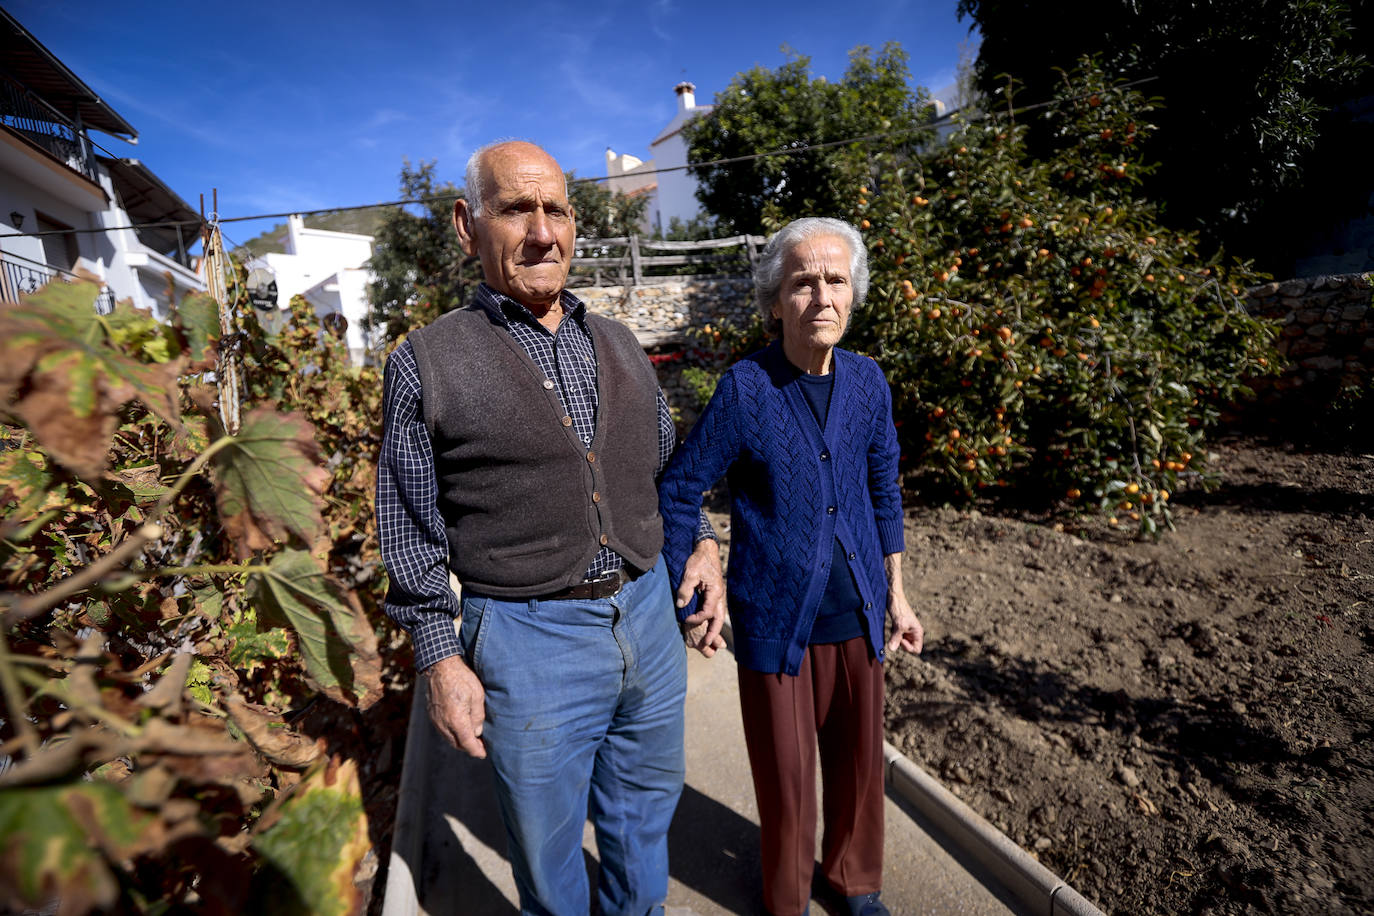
[794, 489]
[840, 615]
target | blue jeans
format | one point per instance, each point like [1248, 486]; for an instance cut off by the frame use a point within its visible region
[584, 705]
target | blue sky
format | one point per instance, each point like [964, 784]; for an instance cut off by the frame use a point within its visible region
[299, 106]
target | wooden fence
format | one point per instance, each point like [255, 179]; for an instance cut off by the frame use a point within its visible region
[623, 262]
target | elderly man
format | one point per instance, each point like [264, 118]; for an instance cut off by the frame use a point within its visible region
[523, 438]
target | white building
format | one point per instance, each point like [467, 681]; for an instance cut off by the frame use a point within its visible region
[65, 209]
[330, 270]
[671, 188]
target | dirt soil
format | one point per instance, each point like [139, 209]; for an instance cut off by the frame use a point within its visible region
[1172, 727]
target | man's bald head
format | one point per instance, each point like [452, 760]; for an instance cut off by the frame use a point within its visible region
[477, 178]
[519, 222]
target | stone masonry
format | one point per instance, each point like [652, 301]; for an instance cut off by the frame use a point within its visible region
[1327, 334]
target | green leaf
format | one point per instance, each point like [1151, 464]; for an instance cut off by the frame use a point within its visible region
[268, 481]
[138, 332]
[57, 841]
[248, 647]
[24, 483]
[209, 600]
[336, 640]
[315, 844]
[199, 680]
[198, 318]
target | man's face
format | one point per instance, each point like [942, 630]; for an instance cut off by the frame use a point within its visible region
[525, 233]
[816, 294]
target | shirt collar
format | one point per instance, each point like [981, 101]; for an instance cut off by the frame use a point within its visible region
[504, 310]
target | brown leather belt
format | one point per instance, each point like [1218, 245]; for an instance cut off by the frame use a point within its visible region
[606, 586]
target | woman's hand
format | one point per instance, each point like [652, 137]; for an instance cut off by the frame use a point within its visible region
[703, 574]
[907, 631]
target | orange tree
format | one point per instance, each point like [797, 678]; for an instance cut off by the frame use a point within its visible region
[175, 601]
[1039, 325]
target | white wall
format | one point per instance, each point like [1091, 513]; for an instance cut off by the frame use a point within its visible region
[114, 255]
[677, 189]
[329, 270]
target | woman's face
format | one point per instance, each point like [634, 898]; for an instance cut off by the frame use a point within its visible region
[816, 294]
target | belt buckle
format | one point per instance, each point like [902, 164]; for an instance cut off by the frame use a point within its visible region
[609, 585]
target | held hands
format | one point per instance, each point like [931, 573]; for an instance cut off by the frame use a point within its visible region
[457, 705]
[702, 574]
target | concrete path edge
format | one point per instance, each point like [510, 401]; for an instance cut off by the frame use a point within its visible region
[401, 897]
[1032, 883]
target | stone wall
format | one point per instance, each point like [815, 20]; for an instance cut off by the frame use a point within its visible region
[660, 312]
[1327, 334]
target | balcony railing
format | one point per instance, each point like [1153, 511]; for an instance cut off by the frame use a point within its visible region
[32, 118]
[20, 275]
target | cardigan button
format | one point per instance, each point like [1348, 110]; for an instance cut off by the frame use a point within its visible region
[851, 556]
[605, 540]
[829, 510]
[548, 384]
[567, 421]
[591, 457]
[825, 456]
[869, 606]
[596, 496]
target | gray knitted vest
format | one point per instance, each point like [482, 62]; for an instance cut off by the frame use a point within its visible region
[525, 504]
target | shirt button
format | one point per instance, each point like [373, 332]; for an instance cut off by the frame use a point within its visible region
[567, 421]
[548, 383]
[596, 496]
[829, 510]
[605, 540]
[591, 457]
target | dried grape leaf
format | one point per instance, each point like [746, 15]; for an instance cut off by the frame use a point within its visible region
[144, 483]
[268, 481]
[271, 736]
[63, 377]
[57, 841]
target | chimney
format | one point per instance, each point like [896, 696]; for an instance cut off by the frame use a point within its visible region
[686, 95]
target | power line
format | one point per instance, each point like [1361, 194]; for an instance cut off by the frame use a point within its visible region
[449, 198]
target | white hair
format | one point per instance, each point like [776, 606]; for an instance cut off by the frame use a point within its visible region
[472, 175]
[768, 273]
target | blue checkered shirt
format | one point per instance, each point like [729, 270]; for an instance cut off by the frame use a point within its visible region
[414, 545]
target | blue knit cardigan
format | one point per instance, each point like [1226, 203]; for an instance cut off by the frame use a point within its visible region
[793, 491]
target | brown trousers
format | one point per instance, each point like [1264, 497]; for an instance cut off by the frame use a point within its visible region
[837, 700]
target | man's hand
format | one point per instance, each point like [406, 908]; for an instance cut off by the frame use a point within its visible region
[907, 631]
[702, 573]
[457, 704]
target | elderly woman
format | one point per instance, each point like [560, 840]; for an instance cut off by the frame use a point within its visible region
[803, 432]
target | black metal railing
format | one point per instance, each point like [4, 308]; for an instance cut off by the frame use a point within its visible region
[44, 126]
[20, 275]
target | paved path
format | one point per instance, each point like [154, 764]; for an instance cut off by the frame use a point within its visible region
[449, 844]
